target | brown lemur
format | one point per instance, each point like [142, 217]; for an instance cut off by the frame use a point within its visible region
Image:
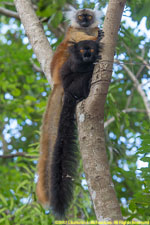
[83, 26]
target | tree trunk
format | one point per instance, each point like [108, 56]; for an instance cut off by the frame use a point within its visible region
[91, 111]
[91, 123]
[35, 33]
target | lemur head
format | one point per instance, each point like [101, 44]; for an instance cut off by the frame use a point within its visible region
[85, 51]
[84, 17]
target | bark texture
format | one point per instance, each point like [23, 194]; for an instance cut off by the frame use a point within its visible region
[35, 33]
[91, 123]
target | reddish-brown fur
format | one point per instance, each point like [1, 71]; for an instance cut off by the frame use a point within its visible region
[47, 141]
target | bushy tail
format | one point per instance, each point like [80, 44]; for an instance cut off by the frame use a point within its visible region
[64, 163]
[47, 141]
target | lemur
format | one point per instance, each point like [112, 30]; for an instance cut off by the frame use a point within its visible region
[83, 26]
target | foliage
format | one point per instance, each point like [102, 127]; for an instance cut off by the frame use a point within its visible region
[23, 96]
[139, 9]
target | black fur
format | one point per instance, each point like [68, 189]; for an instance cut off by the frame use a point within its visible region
[100, 35]
[76, 74]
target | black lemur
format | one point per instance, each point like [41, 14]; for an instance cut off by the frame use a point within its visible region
[76, 75]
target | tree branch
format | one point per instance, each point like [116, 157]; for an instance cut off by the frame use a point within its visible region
[8, 3]
[137, 76]
[91, 123]
[35, 33]
[9, 13]
[145, 83]
[139, 89]
[112, 119]
[35, 67]
[133, 88]
[144, 61]
[4, 143]
[59, 31]
[17, 155]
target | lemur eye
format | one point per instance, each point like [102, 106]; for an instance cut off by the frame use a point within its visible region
[89, 17]
[91, 50]
[80, 17]
[81, 50]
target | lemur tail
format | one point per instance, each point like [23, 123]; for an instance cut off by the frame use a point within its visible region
[64, 163]
[47, 141]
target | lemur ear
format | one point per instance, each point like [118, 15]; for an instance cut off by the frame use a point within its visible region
[71, 13]
[98, 13]
[72, 46]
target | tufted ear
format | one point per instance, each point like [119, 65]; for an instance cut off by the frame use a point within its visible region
[96, 7]
[71, 13]
[98, 13]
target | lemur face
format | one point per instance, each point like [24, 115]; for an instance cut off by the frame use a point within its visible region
[85, 18]
[86, 51]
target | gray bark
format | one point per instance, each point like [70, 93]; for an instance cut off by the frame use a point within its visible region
[35, 33]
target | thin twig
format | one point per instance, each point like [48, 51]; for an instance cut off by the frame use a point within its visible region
[8, 3]
[19, 154]
[139, 89]
[112, 119]
[35, 67]
[144, 62]
[147, 82]
[133, 88]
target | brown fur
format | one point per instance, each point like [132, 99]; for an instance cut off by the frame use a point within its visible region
[53, 110]
[47, 141]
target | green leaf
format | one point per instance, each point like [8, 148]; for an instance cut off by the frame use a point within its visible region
[132, 206]
[57, 19]
[22, 185]
[3, 200]
[11, 204]
[145, 159]
[16, 92]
